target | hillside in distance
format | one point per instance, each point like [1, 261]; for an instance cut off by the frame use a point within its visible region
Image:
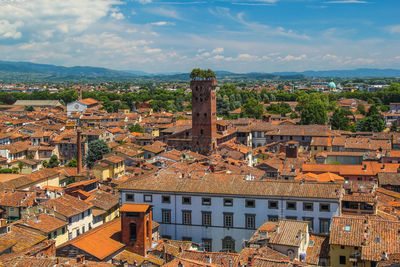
[356, 73]
[27, 71]
[33, 72]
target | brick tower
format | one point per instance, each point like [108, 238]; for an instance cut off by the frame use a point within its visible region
[136, 226]
[204, 115]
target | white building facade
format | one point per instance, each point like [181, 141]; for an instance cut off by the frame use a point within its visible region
[223, 222]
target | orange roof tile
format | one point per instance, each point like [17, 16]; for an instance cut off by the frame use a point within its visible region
[129, 207]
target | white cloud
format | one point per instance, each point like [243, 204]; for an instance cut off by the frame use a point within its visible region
[10, 30]
[133, 12]
[152, 50]
[329, 57]
[117, 15]
[144, 1]
[162, 23]
[49, 18]
[246, 57]
[393, 29]
[293, 58]
[218, 57]
[218, 50]
[266, 29]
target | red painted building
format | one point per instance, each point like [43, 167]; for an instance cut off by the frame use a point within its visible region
[136, 227]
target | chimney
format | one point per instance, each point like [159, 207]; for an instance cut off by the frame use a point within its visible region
[79, 155]
[80, 94]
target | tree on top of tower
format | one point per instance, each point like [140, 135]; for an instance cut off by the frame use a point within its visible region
[199, 74]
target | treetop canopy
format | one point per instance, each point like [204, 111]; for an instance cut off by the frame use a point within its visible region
[199, 74]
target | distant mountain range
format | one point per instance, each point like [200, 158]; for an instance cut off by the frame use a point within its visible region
[357, 73]
[28, 72]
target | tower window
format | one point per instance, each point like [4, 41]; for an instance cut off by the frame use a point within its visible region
[132, 232]
[201, 131]
[198, 114]
[205, 115]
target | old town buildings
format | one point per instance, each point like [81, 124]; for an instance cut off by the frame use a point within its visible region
[194, 189]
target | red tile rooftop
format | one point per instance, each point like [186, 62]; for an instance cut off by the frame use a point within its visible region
[129, 207]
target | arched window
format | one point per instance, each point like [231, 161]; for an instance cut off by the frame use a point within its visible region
[228, 244]
[132, 231]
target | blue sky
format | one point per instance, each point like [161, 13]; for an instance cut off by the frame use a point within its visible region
[169, 36]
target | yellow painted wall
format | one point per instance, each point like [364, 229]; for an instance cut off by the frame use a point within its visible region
[111, 214]
[336, 251]
[101, 173]
[61, 238]
[52, 181]
[319, 150]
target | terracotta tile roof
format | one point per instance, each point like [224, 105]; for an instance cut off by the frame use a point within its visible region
[211, 183]
[329, 177]
[367, 168]
[17, 198]
[266, 262]
[103, 200]
[89, 101]
[388, 178]
[43, 222]
[67, 205]
[130, 207]
[21, 260]
[156, 147]
[301, 130]
[114, 159]
[218, 258]
[318, 247]
[101, 241]
[23, 237]
[129, 257]
[289, 232]
[6, 244]
[188, 263]
[321, 141]
[374, 236]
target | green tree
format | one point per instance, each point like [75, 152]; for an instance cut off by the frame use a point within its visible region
[339, 120]
[280, 108]
[135, 128]
[97, 149]
[313, 113]
[72, 163]
[53, 162]
[373, 110]
[361, 109]
[373, 123]
[252, 109]
[20, 166]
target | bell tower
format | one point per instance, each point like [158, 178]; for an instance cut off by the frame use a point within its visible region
[136, 227]
[204, 115]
